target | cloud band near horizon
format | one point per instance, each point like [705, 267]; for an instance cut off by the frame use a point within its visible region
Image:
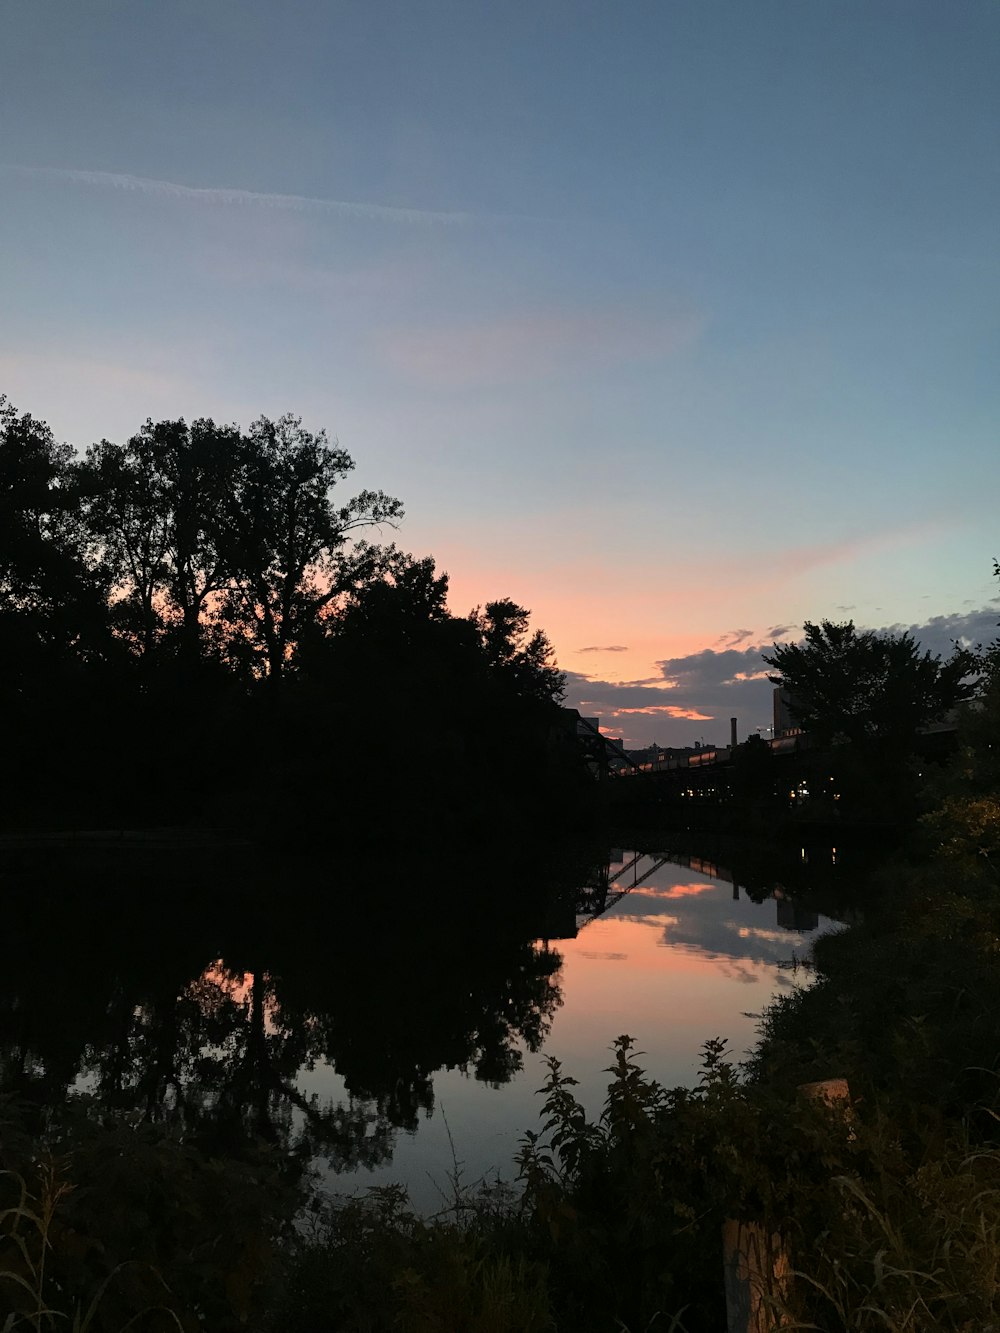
[718, 683]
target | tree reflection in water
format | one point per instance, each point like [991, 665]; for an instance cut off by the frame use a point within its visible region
[221, 1058]
[128, 995]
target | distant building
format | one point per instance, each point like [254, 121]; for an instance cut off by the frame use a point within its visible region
[661, 753]
[785, 723]
[792, 916]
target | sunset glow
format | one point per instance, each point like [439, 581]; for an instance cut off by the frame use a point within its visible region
[676, 961]
[443, 447]
[609, 350]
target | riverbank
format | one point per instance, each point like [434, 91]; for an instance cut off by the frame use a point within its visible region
[888, 1209]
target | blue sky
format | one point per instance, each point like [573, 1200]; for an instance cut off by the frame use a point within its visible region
[674, 321]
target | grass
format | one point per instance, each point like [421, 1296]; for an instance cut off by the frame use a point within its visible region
[31, 1229]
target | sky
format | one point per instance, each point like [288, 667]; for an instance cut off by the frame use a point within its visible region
[677, 322]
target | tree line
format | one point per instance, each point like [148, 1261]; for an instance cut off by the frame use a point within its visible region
[201, 582]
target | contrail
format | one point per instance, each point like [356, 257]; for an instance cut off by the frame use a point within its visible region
[297, 203]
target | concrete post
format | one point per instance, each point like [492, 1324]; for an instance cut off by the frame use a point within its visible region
[756, 1271]
[756, 1267]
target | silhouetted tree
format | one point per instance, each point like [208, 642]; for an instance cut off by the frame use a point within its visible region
[127, 515]
[967, 819]
[398, 607]
[200, 465]
[168, 585]
[291, 548]
[843, 684]
[158, 509]
[50, 602]
[522, 662]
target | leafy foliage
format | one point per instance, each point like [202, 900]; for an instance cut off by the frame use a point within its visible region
[207, 588]
[51, 601]
[522, 660]
[370, 1265]
[116, 1224]
[860, 686]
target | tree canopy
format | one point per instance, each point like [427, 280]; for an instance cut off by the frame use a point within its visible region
[845, 684]
[233, 622]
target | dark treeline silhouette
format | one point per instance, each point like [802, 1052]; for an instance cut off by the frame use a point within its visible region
[196, 627]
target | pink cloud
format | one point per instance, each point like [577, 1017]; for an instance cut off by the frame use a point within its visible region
[664, 710]
[675, 891]
[535, 346]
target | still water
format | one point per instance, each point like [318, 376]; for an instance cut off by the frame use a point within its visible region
[679, 955]
[380, 1019]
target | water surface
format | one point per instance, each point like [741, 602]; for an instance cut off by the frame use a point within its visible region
[383, 1020]
[680, 956]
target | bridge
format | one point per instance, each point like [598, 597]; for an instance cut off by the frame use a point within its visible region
[790, 766]
[606, 887]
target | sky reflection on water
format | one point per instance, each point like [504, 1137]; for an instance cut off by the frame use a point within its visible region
[681, 957]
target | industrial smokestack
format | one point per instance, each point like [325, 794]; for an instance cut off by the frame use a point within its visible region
[732, 732]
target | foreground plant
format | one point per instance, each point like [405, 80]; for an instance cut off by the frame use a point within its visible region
[32, 1232]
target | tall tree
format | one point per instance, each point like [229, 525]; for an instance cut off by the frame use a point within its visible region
[48, 595]
[200, 466]
[523, 661]
[859, 686]
[291, 550]
[158, 507]
[398, 606]
[127, 514]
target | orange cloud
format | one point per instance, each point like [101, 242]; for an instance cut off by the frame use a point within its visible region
[665, 710]
[675, 890]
